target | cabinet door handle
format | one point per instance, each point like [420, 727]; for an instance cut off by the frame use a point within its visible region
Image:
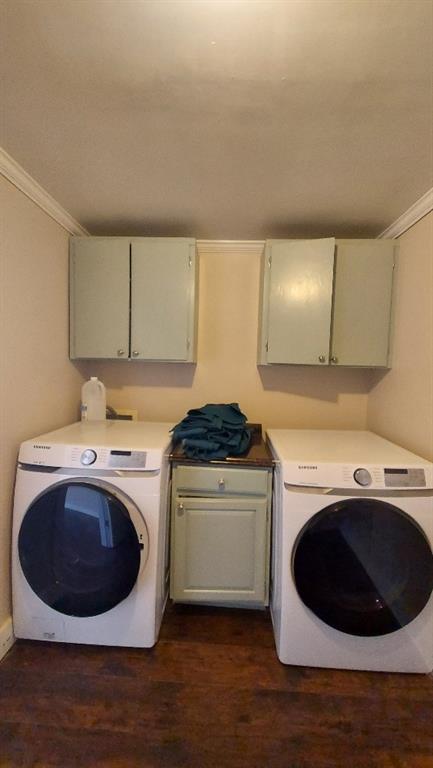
[322, 359]
[180, 509]
[120, 352]
[135, 353]
[334, 360]
[221, 484]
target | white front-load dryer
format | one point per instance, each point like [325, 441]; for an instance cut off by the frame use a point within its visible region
[90, 534]
[352, 573]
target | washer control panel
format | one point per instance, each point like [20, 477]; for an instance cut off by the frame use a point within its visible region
[91, 457]
[127, 459]
[88, 457]
[107, 458]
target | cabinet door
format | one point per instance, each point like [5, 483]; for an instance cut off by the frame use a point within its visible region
[219, 551]
[362, 302]
[297, 301]
[163, 274]
[99, 298]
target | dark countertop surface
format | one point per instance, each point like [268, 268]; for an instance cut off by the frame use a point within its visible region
[257, 455]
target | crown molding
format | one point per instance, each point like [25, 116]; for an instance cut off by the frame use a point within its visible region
[12, 171]
[252, 247]
[417, 211]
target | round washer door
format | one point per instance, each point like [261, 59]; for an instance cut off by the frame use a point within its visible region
[79, 549]
[363, 567]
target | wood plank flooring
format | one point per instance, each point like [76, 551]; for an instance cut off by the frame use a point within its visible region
[210, 694]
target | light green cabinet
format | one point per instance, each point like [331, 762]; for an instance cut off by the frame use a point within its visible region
[99, 297]
[362, 302]
[220, 535]
[133, 298]
[326, 302]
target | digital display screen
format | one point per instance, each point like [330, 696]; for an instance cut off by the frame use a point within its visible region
[125, 453]
[413, 477]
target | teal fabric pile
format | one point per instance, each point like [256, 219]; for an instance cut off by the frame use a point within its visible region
[213, 432]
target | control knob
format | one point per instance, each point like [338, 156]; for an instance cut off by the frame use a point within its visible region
[88, 457]
[362, 476]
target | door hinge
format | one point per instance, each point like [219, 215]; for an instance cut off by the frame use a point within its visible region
[269, 260]
[267, 346]
[189, 261]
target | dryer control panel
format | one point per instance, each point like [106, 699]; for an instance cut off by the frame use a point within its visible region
[404, 478]
[393, 478]
[369, 477]
[358, 460]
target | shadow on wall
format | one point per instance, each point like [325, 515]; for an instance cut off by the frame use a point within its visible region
[321, 228]
[116, 375]
[326, 383]
[124, 227]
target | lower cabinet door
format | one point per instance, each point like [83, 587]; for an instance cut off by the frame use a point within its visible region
[219, 551]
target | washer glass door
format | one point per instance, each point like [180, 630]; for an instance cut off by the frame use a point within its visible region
[363, 566]
[79, 549]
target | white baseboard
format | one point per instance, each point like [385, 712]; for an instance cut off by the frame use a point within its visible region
[7, 637]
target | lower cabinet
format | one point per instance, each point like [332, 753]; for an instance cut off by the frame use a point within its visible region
[220, 520]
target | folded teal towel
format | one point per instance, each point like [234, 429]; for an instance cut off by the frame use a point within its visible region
[213, 432]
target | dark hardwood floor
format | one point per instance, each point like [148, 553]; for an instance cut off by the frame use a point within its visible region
[210, 694]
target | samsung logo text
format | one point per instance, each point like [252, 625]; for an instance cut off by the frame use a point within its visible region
[306, 466]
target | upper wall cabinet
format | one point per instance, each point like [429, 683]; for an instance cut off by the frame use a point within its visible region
[326, 302]
[133, 298]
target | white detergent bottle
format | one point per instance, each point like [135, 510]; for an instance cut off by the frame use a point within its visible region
[93, 400]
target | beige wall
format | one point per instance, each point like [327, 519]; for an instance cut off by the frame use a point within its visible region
[39, 387]
[284, 396]
[400, 405]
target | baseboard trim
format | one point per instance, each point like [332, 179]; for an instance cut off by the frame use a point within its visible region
[7, 637]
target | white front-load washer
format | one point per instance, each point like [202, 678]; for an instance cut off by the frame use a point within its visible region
[90, 534]
[352, 573]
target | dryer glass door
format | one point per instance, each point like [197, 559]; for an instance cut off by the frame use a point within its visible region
[363, 566]
[79, 549]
